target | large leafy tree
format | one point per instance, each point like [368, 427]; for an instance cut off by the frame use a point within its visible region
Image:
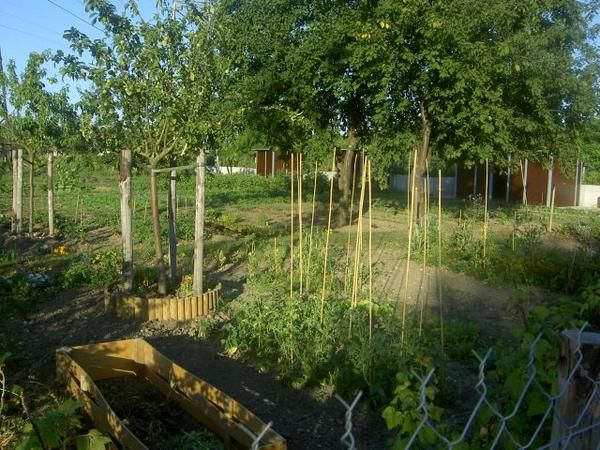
[478, 80]
[153, 85]
[298, 72]
[460, 79]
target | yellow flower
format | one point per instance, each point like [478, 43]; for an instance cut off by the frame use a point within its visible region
[60, 250]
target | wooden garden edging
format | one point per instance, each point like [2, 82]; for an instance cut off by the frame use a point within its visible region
[80, 367]
[163, 308]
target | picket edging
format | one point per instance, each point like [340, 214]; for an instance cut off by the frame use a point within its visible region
[189, 307]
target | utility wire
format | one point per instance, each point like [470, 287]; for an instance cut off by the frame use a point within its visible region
[75, 15]
[31, 22]
[37, 36]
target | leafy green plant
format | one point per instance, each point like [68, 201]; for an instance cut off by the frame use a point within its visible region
[99, 271]
[402, 412]
[60, 426]
[193, 440]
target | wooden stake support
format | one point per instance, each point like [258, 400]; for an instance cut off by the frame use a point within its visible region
[80, 367]
[578, 409]
[327, 237]
[552, 209]
[312, 225]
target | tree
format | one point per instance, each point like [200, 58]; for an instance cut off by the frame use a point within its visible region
[479, 80]
[38, 120]
[153, 85]
[294, 68]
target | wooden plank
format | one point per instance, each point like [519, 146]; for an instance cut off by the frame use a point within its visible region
[204, 412]
[172, 308]
[194, 302]
[189, 308]
[151, 308]
[126, 218]
[193, 387]
[169, 169]
[125, 348]
[199, 226]
[165, 309]
[180, 312]
[106, 420]
[207, 404]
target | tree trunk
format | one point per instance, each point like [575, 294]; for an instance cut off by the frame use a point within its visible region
[158, 251]
[423, 156]
[15, 178]
[31, 194]
[199, 225]
[19, 190]
[50, 194]
[126, 238]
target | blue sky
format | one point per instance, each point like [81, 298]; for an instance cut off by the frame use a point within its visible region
[36, 25]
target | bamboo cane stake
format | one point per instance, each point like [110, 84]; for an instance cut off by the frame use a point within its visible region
[409, 249]
[77, 209]
[524, 181]
[425, 244]
[370, 253]
[439, 267]
[312, 225]
[300, 231]
[291, 225]
[485, 211]
[358, 247]
[552, 209]
[346, 270]
[327, 236]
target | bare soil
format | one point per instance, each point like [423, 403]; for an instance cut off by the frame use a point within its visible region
[157, 421]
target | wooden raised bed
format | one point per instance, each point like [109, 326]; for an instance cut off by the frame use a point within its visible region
[80, 367]
[165, 308]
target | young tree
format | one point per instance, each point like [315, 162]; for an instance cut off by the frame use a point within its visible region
[153, 83]
[38, 120]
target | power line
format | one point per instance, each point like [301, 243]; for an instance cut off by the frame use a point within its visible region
[37, 36]
[75, 15]
[31, 22]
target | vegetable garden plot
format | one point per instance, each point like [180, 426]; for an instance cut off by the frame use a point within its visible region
[81, 367]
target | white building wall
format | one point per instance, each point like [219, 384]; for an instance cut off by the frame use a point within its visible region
[400, 183]
[588, 195]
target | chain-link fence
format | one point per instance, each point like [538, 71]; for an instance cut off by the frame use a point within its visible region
[572, 412]
[570, 419]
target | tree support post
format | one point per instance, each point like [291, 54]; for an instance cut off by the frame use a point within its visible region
[199, 225]
[126, 226]
[13, 217]
[577, 411]
[50, 194]
[171, 211]
[30, 224]
[508, 175]
[549, 184]
[19, 190]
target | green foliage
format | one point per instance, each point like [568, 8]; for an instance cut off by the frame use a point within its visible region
[193, 440]
[403, 413]
[99, 271]
[287, 332]
[60, 426]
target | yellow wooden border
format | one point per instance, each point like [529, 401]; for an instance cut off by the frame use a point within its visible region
[168, 308]
[79, 367]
